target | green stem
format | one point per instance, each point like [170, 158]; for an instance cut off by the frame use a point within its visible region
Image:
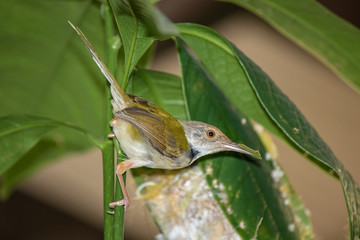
[119, 210]
[108, 147]
[108, 178]
[115, 225]
[117, 228]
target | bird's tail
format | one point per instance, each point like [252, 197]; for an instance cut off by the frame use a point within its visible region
[120, 98]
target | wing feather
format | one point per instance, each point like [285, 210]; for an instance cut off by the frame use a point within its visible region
[168, 138]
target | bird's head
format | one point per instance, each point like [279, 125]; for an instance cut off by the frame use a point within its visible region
[206, 139]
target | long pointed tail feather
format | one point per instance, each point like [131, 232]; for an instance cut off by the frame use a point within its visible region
[121, 99]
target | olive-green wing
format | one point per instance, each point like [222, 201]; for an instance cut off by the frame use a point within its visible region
[167, 137]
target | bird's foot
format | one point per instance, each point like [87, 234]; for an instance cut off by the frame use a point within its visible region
[124, 202]
[111, 135]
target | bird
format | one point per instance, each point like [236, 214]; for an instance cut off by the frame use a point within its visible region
[151, 137]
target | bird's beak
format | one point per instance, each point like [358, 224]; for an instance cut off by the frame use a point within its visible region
[231, 146]
[241, 148]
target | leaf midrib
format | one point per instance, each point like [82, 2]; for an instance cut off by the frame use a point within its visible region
[27, 127]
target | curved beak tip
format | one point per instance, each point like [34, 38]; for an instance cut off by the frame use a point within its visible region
[241, 148]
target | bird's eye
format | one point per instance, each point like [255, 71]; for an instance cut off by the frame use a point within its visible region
[210, 133]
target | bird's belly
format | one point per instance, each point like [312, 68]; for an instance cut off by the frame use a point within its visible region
[130, 139]
[137, 147]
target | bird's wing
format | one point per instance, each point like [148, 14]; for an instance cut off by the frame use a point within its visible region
[167, 137]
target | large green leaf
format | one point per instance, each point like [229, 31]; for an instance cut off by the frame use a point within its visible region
[165, 90]
[45, 151]
[299, 131]
[139, 23]
[332, 40]
[161, 88]
[157, 24]
[296, 130]
[42, 71]
[219, 60]
[135, 43]
[18, 135]
[248, 188]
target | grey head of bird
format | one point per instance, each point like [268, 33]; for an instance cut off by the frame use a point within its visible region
[206, 139]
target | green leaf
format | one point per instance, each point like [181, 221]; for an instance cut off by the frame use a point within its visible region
[331, 39]
[45, 151]
[139, 24]
[299, 131]
[161, 88]
[42, 67]
[135, 43]
[43, 73]
[243, 187]
[157, 24]
[218, 58]
[296, 130]
[165, 90]
[18, 135]
[302, 218]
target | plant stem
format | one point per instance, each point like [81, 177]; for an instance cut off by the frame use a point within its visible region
[119, 210]
[108, 149]
[117, 220]
[108, 178]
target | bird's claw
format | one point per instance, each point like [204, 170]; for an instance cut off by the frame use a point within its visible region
[124, 202]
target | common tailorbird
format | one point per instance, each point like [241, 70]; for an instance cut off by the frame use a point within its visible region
[151, 137]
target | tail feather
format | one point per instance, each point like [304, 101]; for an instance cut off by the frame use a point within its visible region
[120, 98]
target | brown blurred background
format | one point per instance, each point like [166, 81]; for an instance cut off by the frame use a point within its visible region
[68, 194]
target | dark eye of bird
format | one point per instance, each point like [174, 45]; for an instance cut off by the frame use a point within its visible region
[210, 133]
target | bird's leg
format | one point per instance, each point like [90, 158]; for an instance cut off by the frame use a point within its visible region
[120, 170]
